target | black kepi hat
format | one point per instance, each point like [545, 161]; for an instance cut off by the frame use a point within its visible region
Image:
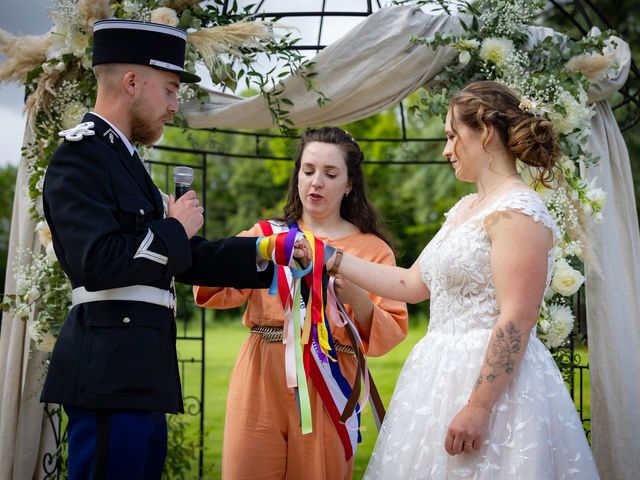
[144, 43]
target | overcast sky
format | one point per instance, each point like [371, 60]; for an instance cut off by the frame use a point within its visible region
[19, 17]
[30, 17]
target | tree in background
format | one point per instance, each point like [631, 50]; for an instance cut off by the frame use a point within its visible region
[7, 187]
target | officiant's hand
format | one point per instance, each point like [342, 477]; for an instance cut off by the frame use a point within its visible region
[351, 294]
[467, 430]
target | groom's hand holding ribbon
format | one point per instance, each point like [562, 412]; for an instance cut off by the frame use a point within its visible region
[285, 249]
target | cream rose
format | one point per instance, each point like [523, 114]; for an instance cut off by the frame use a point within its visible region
[44, 233]
[566, 280]
[165, 16]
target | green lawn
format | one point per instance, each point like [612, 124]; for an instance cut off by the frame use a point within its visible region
[223, 341]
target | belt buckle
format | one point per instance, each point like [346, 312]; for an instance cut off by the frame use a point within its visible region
[173, 303]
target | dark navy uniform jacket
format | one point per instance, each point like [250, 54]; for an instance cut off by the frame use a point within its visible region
[106, 220]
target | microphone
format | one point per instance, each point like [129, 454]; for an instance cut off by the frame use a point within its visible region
[182, 176]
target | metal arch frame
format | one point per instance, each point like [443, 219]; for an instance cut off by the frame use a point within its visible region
[631, 89]
[567, 358]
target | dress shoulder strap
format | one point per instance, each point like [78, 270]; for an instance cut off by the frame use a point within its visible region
[529, 203]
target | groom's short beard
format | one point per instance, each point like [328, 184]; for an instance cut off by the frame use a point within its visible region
[142, 131]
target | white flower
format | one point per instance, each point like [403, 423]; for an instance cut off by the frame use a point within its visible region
[467, 44]
[464, 57]
[77, 43]
[496, 50]
[40, 184]
[34, 331]
[598, 217]
[51, 254]
[566, 280]
[44, 233]
[130, 6]
[72, 114]
[58, 46]
[560, 319]
[578, 114]
[567, 165]
[165, 16]
[573, 248]
[544, 325]
[595, 195]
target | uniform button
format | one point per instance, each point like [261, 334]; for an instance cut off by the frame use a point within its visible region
[141, 211]
[126, 320]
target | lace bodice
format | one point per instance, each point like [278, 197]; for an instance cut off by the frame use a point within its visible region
[456, 267]
[535, 432]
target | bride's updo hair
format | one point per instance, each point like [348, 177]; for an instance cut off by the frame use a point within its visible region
[528, 137]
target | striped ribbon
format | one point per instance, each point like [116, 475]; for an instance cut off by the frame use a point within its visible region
[309, 347]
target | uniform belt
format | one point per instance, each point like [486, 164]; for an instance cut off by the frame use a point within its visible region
[133, 293]
[274, 334]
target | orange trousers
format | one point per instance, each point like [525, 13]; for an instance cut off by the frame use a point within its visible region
[262, 436]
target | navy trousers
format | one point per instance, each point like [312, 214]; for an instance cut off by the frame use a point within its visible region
[122, 445]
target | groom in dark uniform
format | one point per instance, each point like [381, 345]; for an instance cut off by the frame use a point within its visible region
[114, 367]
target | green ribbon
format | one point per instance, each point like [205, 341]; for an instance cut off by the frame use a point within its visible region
[303, 390]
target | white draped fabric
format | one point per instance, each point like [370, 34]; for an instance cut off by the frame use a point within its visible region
[25, 434]
[370, 69]
[613, 308]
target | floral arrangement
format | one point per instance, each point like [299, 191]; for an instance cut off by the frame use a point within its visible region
[60, 87]
[552, 78]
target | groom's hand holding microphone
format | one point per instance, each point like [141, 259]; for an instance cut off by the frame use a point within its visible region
[185, 206]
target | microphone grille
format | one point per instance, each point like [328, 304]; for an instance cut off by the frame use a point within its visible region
[183, 175]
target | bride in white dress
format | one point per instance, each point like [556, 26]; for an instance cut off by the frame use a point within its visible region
[480, 397]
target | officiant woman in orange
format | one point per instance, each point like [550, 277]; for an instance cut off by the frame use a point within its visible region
[262, 434]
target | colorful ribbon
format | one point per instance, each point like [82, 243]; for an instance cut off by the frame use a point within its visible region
[309, 346]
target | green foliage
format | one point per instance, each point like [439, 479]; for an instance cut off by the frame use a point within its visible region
[183, 447]
[7, 187]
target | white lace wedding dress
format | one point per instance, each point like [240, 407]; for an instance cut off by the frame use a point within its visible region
[535, 431]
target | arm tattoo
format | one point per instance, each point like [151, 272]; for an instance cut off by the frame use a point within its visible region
[500, 359]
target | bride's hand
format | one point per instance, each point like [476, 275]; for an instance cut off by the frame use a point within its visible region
[467, 430]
